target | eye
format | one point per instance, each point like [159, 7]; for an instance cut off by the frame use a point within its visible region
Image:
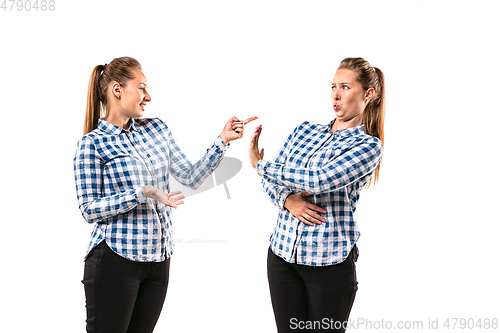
[345, 87]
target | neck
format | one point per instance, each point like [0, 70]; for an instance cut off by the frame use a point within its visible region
[122, 122]
[339, 124]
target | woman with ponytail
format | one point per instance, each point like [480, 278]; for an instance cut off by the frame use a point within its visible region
[315, 181]
[122, 166]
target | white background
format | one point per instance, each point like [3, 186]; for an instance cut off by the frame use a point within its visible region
[429, 246]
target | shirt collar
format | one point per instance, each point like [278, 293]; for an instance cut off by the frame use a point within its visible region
[345, 132]
[116, 130]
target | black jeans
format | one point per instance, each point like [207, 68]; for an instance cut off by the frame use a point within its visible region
[311, 298]
[123, 296]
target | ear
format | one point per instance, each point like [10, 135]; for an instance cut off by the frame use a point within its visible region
[369, 94]
[116, 89]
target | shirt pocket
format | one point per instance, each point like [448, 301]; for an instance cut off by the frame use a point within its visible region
[124, 172]
[156, 151]
[159, 159]
[326, 155]
[321, 157]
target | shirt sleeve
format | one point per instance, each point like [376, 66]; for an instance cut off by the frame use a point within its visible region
[193, 175]
[88, 167]
[277, 194]
[351, 165]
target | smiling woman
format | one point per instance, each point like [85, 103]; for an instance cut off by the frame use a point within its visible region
[105, 87]
[130, 100]
[122, 166]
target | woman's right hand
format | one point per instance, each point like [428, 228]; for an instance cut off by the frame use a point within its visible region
[170, 199]
[302, 209]
[234, 129]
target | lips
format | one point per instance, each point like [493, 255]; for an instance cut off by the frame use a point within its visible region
[142, 105]
[336, 106]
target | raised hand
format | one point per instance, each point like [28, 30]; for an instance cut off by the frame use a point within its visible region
[302, 209]
[234, 129]
[171, 199]
[253, 150]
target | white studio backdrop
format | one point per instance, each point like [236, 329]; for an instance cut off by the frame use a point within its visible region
[428, 249]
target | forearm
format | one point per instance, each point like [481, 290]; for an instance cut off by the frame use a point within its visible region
[277, 194]
[314, 181]
[193, 175]
[99, 209]
[337, 173]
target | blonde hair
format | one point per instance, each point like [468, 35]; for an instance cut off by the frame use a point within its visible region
[119, 70]
[373, 115]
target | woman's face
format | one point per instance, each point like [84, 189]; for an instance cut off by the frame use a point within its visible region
[134, 96]
[348, 97]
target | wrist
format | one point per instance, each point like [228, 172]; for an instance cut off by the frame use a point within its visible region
[286, 199]
[149, 190]
[256, 162]
[223, 137]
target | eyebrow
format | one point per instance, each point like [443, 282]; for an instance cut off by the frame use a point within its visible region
[341, 84]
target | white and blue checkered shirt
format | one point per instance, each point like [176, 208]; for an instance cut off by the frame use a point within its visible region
[112, 165]
[333, 167]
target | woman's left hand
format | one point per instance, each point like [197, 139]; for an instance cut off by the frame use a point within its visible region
[234, 128]
[253, 150]
[171, 199]
[301, 208]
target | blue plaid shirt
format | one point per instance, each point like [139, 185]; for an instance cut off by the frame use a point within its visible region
[112, 165]
[333, 167]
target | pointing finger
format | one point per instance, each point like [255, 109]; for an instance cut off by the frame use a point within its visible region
[246, 121]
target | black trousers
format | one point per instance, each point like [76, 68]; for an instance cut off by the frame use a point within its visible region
[312, 298]
[123, 296]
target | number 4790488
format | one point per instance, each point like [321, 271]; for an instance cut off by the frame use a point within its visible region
[28, 5]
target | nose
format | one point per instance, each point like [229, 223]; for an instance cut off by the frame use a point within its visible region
[335, 96]
[147, 97]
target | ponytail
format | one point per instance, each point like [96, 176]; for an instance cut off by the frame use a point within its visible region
[93, 112]
[373, 115]
[373, 118]
[119, 70]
